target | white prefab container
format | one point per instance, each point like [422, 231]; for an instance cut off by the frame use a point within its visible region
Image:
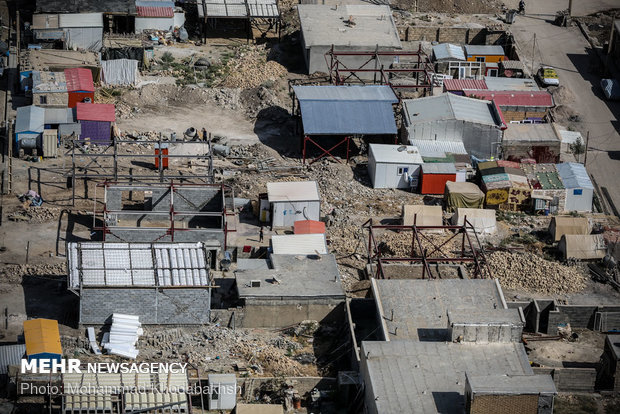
[394, 166]
[293, 201]
[222, 391]
[579, 188]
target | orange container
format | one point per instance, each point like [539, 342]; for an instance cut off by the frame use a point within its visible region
[164, 158]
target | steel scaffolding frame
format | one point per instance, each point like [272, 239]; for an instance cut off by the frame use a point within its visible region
[475, 255]
[339, 73]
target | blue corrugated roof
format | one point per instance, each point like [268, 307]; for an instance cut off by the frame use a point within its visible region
[574, 175]
[346, 110]
[30, 118]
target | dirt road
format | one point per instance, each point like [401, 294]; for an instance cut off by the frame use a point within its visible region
[567, 50]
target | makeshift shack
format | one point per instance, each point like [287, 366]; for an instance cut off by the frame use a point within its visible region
[482, 220]
[435, 176]
[563, 225]
[394, 166]
[42, 340]
[462, 195]
[539, 142]
[29, 125]
[293, 201]
[96, 121]
[506, 191]
[422, 215]
[589, 247]
[80, 86]
[579, 188]
[547, 186]
[49, 89]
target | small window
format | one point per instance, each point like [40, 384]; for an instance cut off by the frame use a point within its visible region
[481, 59]
[43, 100]
[402, 170]
[493, 72]
[215, 395]
[577, 191]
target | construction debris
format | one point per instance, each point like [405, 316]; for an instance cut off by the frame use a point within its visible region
[123, 336]
[532, 273]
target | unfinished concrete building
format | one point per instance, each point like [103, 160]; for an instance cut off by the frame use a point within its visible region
[168, 212]
[162, 283]
[287, 289]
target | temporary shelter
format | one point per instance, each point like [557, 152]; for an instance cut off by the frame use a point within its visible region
[42, 340]
[80, 85]
[573, 246]
[309, 227]
[562, 225]
[394, 166]
[293, 201]
[434, 177]
[462, 195]
[422, 215]
[29, 125]
[579, 188]
[96, 121]
[482, 220]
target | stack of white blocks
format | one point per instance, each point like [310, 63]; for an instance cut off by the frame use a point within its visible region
[123, 336]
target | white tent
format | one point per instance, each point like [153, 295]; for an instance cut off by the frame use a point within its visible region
[483, 220]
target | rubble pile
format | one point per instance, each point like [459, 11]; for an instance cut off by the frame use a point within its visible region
[398, 244]
[250, 69]
[532, 273]
[13, 273]
[35, 214]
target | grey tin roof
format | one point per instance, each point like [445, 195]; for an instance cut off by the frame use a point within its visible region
[448, 51]
[10, 355]
[347, 110]
[438, 149]
[438, 168]
[510, 84]
[574, 175]
[429, 377]
[488, 50]
[299, 276]
[449, 106]
[506, 384]
[237, 8]
[530, 133]
[30, 118]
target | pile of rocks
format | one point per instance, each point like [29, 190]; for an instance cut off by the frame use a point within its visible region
[250, 69]
[532, 273]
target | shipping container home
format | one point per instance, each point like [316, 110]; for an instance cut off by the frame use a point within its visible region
[394, 166]
[484, 53]
[448, 117]
[579, 188]
[42, 340]
[538, 142]
[80, 85]
[96, 121]
[29, 125]
[293, 201]
[434, 177]
[222, 391]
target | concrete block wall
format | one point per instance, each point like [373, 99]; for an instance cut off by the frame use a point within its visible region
[144, 234]
[522, 115]
[457, 35]
[281, 313]
[506, 404]
[486, 333]
[570, 379]
[153, 305]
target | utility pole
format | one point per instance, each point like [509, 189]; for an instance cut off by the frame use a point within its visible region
[533, 52]
[570, 8]
[585, 158]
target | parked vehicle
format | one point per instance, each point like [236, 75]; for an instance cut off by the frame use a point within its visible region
[548, 76]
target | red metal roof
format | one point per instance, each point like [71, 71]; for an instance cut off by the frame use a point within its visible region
[150, 11]
[462, 84]
[309, 227]
[79, 79]
[95, 112]
[514, 98]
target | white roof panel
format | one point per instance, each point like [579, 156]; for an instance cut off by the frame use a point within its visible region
[396, 154]
[293, 191]
[303, 244]
[80, 20]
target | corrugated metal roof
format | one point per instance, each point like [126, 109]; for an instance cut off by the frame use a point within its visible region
[59, 116]
[574, 175]
[347, 118]
[85, 6]
[530, 133]
[484, 50]
[374, 93]
[304, 244]
[151, 11]
[42, 336]
[462, 84]
[293, 191]
[438, 168]
[79, 79]
[438, 149]
[309, 227]
[450, 106]
[401, 154]
[80, 20]
[10, 355]
[514, 98]
[95, 112]
[509, 84]
[448, 51]
[263, 8]
[137, 264]
[30, 118]
[238, 8]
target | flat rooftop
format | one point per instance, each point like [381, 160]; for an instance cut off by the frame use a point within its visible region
[429, 377]
[371, 25]
[531, 133]
[57, 60]
[418, 309]
[296, 276]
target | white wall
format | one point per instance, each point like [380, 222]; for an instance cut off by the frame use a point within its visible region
[153, 23]
[286, 213]
[575, 202]
[384, 175]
